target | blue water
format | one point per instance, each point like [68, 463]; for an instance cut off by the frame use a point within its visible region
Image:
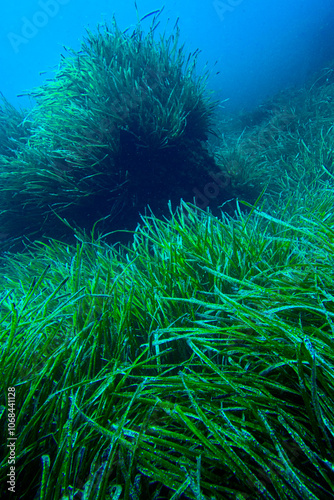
[253, 47]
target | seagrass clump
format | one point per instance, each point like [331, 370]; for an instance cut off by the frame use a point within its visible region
[119, 126]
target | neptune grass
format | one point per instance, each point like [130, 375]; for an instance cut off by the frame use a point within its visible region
[286, 144]
[127, 102]
[196, 361]
[14, 130]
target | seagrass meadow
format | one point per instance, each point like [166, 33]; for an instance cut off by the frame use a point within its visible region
[196, 360]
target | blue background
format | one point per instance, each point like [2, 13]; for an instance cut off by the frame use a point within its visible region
[257, 47]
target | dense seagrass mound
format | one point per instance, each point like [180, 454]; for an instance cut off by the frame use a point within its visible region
[119, 127]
